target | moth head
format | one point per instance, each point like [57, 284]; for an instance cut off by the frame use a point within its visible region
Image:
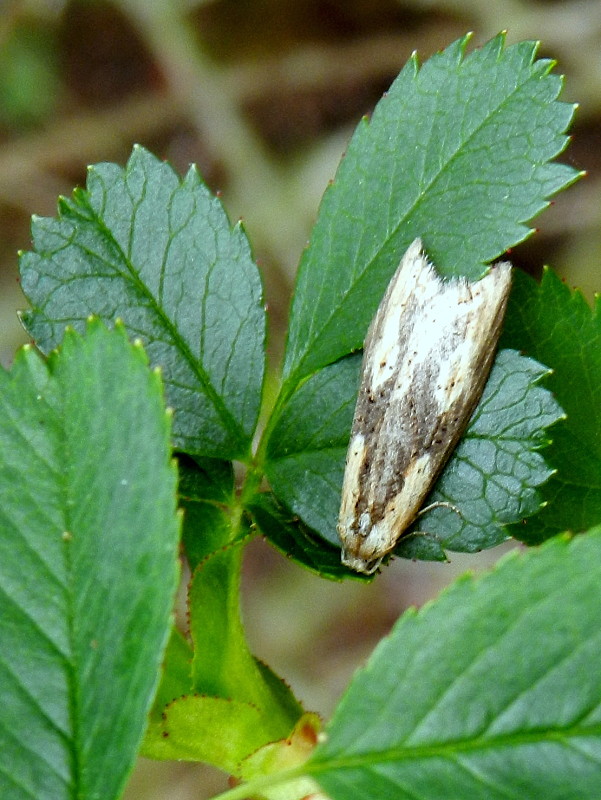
[367, 567]
[365, 542]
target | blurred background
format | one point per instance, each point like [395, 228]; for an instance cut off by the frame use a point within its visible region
[263, 95]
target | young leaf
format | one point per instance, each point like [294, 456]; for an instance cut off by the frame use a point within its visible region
[456, 153]
[222, 665]
[216, 702]
[220, 731]
[88, 564]
[142, 245]
[490, 480]
[176, 679]
[558, 327]
[214, 730]
[276, 757]
[492, 691]
[185, 725]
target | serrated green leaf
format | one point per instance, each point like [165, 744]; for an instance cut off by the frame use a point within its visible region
[142, 245]
[492, 691]
[456, 153]
[493, 475]
[489, 481]
[557, 326]
[297, 541]
[229, 704]
[222, 664]
[217, 730]
[88, 564]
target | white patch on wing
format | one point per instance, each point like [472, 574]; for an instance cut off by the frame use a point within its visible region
[352, 484]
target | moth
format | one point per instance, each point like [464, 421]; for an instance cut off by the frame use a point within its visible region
[427, 355]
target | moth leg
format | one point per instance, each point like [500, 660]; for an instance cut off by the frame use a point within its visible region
[438, 504]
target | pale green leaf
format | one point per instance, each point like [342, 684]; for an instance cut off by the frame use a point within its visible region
[492, 691]
[88, 564]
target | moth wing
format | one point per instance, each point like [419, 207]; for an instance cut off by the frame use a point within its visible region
[427, 356]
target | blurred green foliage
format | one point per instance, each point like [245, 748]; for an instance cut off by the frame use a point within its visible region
[29, 76]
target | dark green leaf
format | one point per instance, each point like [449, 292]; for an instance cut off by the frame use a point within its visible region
[141, 245]
[307, 447]
[493, 691]
[493, 475]
[490, 480]
[298, 542]
[207, 479]
[206, 493]
[88, 564]
[457, 153]
[558, 327]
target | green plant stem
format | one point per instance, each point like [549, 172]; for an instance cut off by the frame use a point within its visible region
[252, 788]
[286, 389]
[256, 470]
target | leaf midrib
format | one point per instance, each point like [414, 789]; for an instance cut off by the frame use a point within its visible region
[451, 748]
[179, 344]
